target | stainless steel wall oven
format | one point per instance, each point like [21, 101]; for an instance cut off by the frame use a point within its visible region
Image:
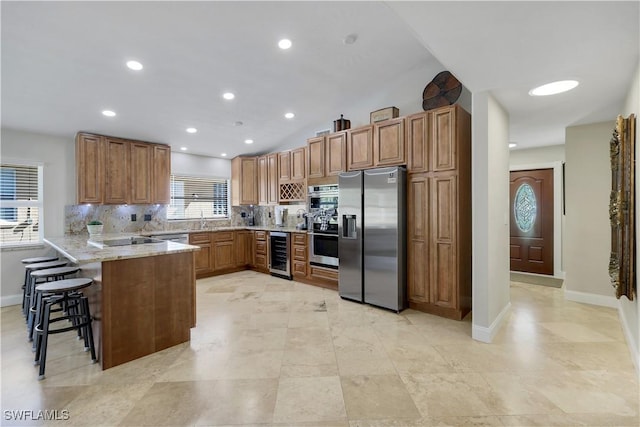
[323, 245]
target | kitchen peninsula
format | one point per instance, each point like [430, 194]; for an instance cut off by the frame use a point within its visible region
[143, 296]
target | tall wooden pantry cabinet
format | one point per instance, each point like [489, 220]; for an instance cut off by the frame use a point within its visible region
[439, 211]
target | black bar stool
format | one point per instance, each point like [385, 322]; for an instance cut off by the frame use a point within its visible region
[65, 292]
[40, 276]
[29, 285]
[33, 260]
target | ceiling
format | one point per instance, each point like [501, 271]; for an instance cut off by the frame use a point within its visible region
[64, 62]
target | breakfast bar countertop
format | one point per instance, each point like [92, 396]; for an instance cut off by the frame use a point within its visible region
[81, 249]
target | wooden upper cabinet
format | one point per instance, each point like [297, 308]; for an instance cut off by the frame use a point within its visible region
[360, 148]
[89, 168]
[335, 153]
[141, 158]
[263, 181]
[117, 158]
[418, 128]
[161, 174]
[444, 138]
[284, 168]
[298, 164]
[389, 147]
[272, 181]
[244, 181]
[315, 152]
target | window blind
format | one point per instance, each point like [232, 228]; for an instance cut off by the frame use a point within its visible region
[20, 204]
[197, 197]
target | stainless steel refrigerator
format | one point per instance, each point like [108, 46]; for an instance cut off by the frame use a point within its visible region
[372, 237]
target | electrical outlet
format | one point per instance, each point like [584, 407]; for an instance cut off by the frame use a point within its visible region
[147, 217]
[243, 214]
[133, 217]
[269, 214]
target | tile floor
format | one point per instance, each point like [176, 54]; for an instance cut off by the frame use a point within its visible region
[272, 352]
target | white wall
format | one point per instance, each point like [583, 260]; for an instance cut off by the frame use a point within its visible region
[189, 164]
[490, 205]
[58, 156]
[587, 232]
[630, 310]
[548, 154]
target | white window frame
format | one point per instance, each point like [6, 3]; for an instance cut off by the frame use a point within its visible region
[39, 204]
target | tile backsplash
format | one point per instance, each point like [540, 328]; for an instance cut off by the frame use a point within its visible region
[118, 218]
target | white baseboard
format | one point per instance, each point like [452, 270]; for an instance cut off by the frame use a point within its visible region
[484, 334]
[594, 299]
[634, 348]
[10, 300]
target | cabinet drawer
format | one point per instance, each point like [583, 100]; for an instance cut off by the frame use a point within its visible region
[222, 236]
[261, 248]
[299, 238]
[196, 238]
[324, 273]
[300, 253]
[261, 261]
[261, 235]
[299, 268]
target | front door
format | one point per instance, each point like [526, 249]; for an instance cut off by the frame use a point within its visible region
[531, 194]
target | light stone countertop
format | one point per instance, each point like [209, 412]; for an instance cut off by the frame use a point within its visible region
[79, 250]
[228, 228]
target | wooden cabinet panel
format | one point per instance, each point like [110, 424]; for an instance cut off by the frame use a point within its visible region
[418, 131]
[336, 152]
[203, 257]
[222, 236]
[263, 181]
[360, 148]
[89, 168]
[244, 181]
[261, 258]
[315, 152]
[116, 171]
[418, 238]
[244, 248]
[299, 254]
[272, 182]
[284, 169]
[161, 182]
[299, 238]
[298, 164]
[444, 240]
[389, 143]
[443, 139]
[224, 255]
[141, 157]
[197, 238]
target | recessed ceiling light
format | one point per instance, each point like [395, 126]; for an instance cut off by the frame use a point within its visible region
[183, 148]
[512, 145]
[108, 113]
[289, 115]
[134, 65]
[238, 123]
[248, 141]
[284, 44]
[350, 39]
[224, 154]
[192, 130]
[553, 88]
[228, 96]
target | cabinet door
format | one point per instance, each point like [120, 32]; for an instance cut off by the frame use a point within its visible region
[272, 182]
[418, 238]
[443, 139]
[263, 181]
[244, 181]
[243, 246]
[315, 151]
[141, 155]
[444, 215]
[298, 162]
[116, 171]
[388, 142]
[360, 148]
[418, 131]
[284, 169]
[224, 256]
[336, 153]
[89, 168]
[161, 182]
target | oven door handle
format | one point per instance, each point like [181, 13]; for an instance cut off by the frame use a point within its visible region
[323, 234]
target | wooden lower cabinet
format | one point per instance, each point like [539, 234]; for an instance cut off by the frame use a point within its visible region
[244, 248]
[322, 276]
[261, 259]
[223, 251]
[299, 250]
[203, 257]
[438, 245]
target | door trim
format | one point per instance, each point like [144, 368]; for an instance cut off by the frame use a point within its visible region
[557, 211]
